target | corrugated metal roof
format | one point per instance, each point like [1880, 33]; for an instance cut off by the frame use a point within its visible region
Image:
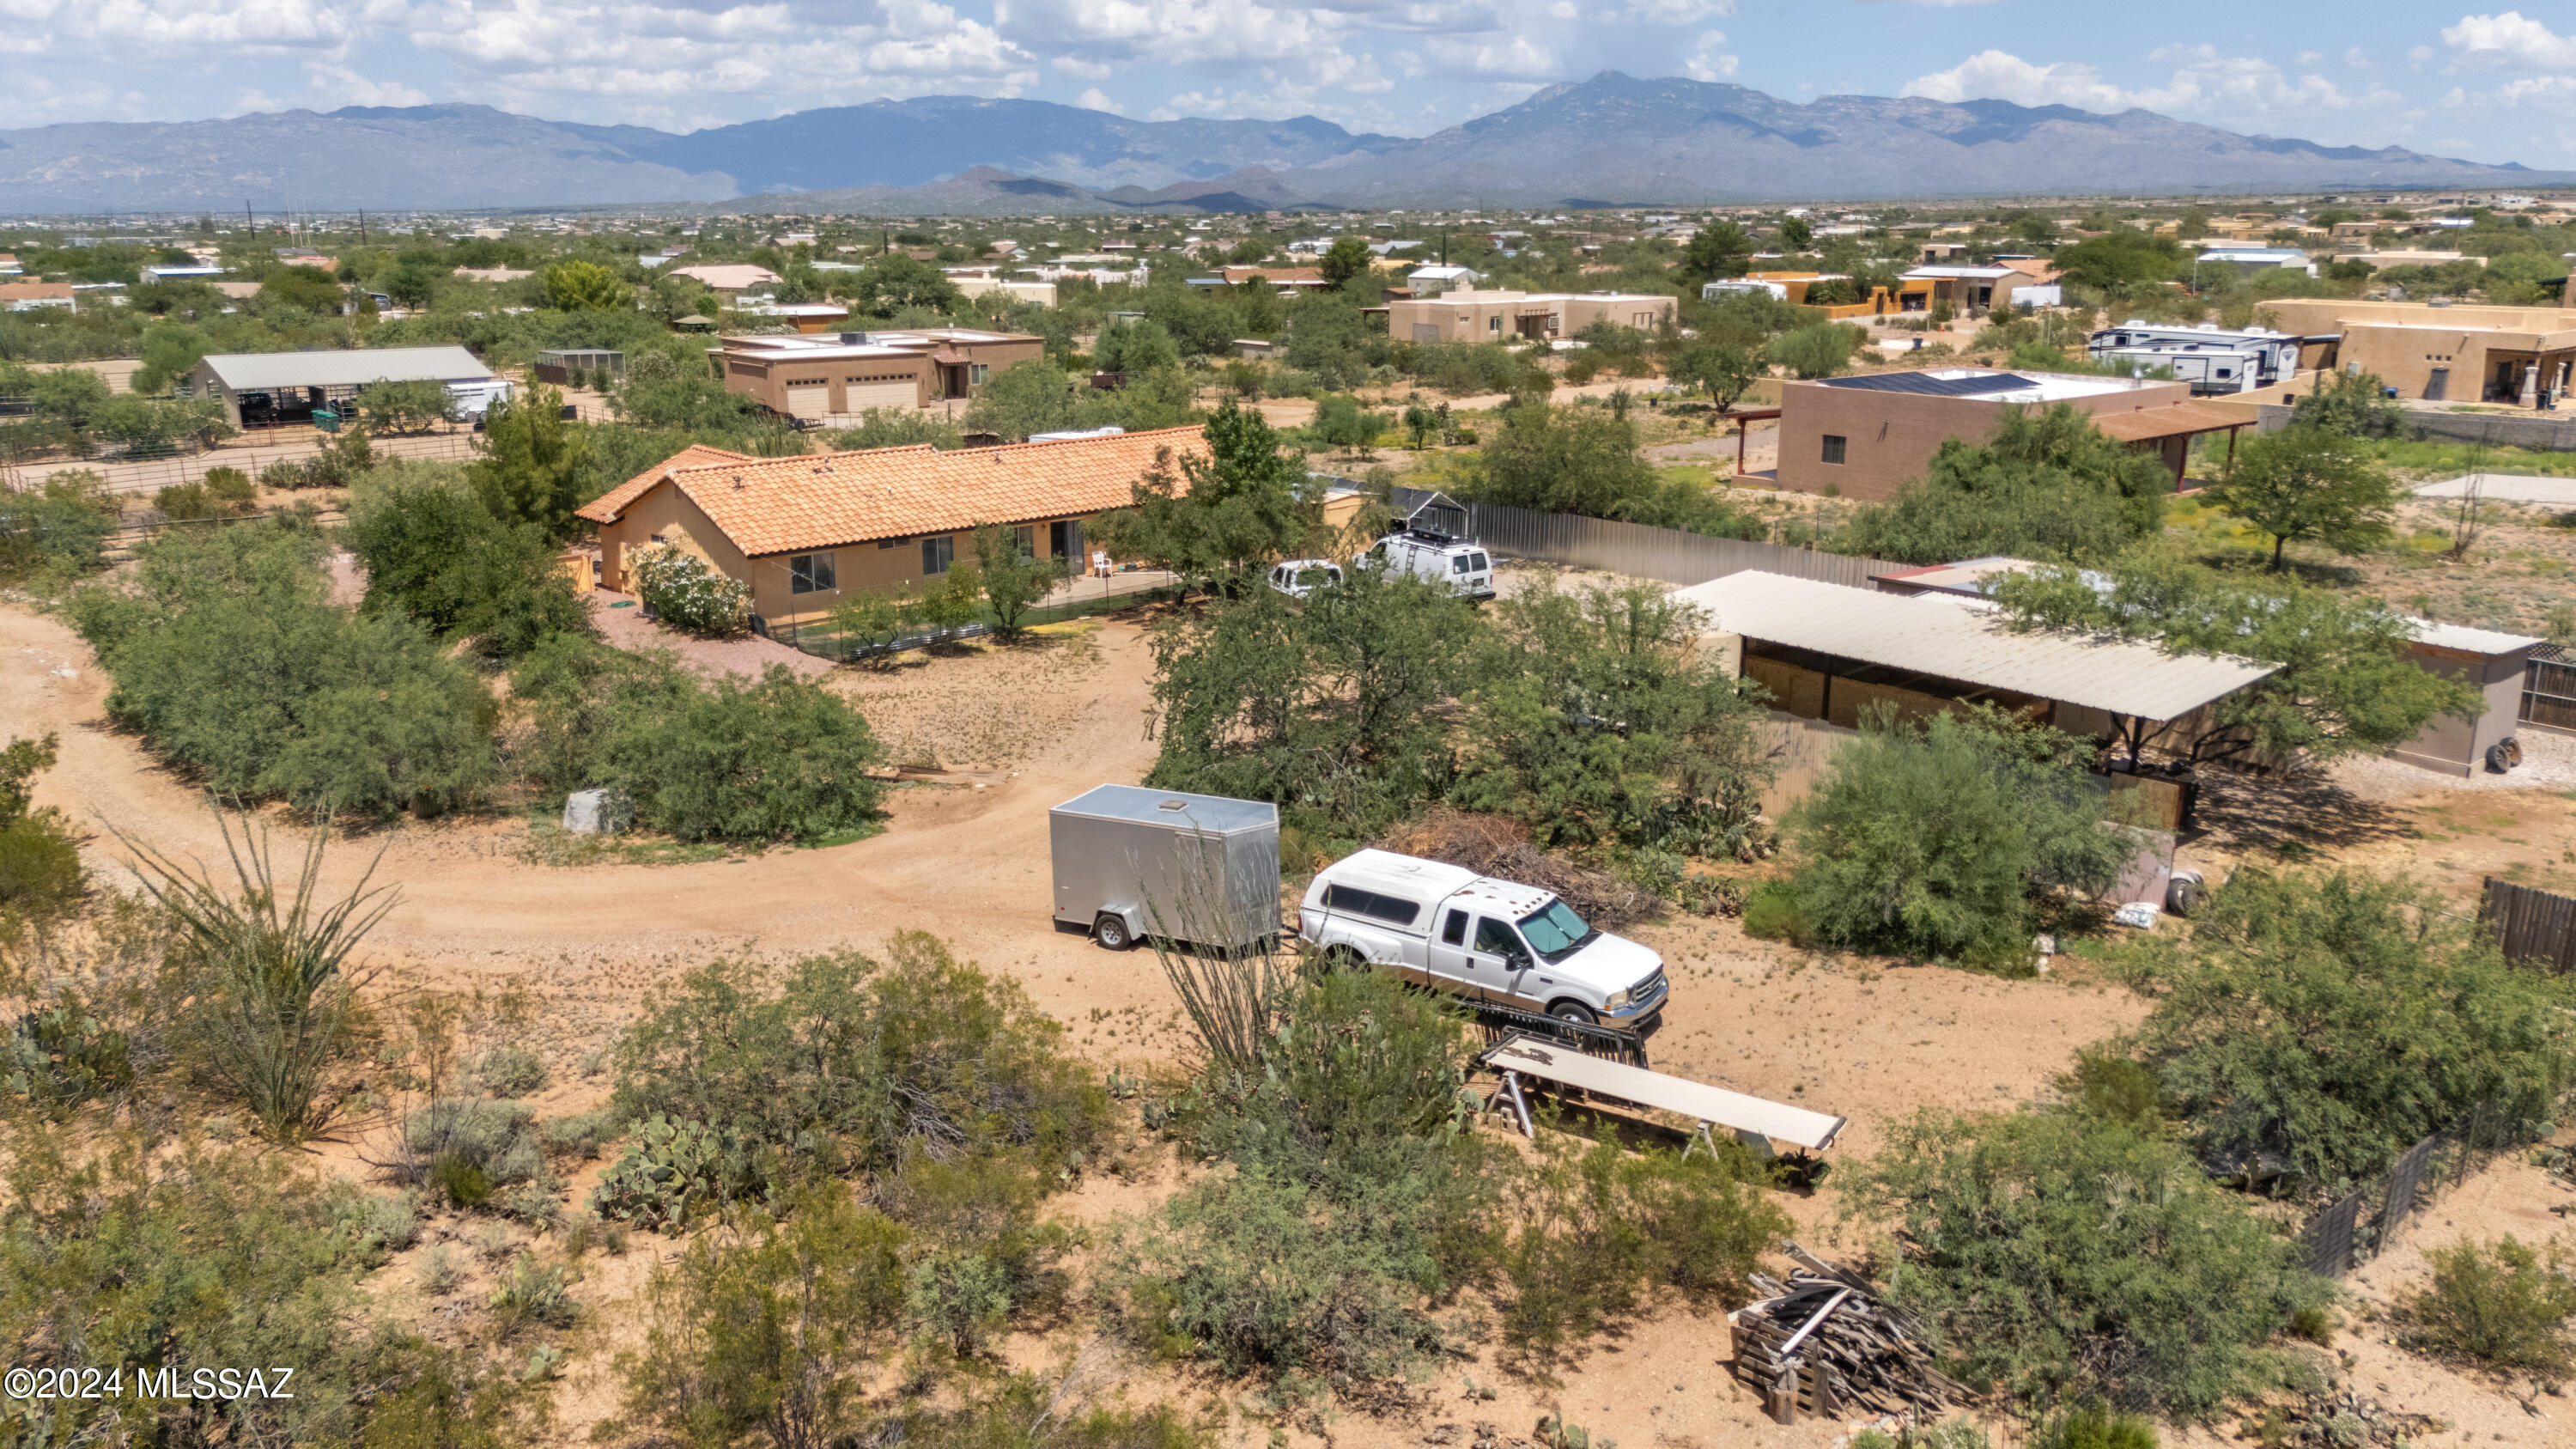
[1565, 1066]
[2468, 640]
[1966, 641]
[258, 371]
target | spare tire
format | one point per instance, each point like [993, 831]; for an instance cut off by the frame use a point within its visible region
[2183, 892]
[2499, 758]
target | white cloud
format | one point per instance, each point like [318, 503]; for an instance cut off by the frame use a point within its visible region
[1678, 12]
[1945, 4]
[1093, 100]
[2509, 42]
[1708, 60]
[341, 86]
[2356, 59]
[2308, 57]
[2204, 83]
[2000, 75]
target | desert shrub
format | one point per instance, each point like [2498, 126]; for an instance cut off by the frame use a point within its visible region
[229, 657]
[1771, 913]
[568, 694]
[433, 553]
[849, 1064]
[688, 594]
[40, 866]
[763, 1333]
[274, 1015]
[1592, 721]
[472, 1147]
[1819, 350]
[511, 1070]
[780, 759]
[979, 1258]
[2092, 1426]
[1595, 1227]
[2314, 1026]
[533, 1295]
[405, 407]
[222, 493]
[57, 532]
[116, 1253]
[2057, 1257]
[2500, 1304]
[1939, 838]
[579, 1136]
[380, 1223]
[2046, 484]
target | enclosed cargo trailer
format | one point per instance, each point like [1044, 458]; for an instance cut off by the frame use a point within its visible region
[1132, 862]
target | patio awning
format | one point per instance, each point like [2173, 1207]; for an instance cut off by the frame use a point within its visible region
[2181, 420]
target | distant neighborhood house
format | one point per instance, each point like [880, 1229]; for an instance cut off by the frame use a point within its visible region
[1472, 316]
[842, 375]
[806, 532]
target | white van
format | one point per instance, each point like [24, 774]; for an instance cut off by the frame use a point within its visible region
[1299, 577]
[1446, 926]
[1464, 567]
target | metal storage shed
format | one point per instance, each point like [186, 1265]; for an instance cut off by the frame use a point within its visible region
[271, 387]
[1943, 638]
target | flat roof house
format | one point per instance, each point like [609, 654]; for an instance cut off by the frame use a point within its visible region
[271, 389]
[2445, 354]
[730, 278]
[1467, 315]
[1862, 436]
[833, 378]
[806, 532]
[1967, 291]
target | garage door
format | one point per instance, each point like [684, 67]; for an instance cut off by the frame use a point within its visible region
[809, 399]
[864, 393]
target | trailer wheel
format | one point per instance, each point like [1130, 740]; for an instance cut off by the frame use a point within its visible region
[1574, 1011]
[1110, 930]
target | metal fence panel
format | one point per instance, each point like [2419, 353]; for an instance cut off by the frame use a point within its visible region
[2534, 927]
[1668, 554]
[2403, 1180]
[2328, 1238]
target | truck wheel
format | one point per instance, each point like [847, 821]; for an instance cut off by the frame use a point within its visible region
[1110, 930]
[1341, 958]
[1574, 1011]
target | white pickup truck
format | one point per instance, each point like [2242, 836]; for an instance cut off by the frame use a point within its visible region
[1446, 926]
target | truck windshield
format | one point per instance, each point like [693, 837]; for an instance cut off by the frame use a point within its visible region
[1556, 932]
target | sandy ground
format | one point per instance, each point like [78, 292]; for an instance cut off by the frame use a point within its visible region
[621, 621]
[1037, 724]
[2559, 492]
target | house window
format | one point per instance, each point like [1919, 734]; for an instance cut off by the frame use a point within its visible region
[1026, 537]
[1494, 325]
[1834, 443]
[892, 542]
[976, 372]
[937, 554]
[811, 573]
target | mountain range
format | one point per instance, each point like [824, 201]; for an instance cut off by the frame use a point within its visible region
[1611, 140]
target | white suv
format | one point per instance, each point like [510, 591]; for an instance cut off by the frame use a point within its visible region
[1464, 568]
[1299, 577]
[1446, 926]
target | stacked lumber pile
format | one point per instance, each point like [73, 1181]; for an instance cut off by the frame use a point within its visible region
[1823, 1343]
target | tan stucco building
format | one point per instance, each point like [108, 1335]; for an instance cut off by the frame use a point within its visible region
[1860, 437]
[1467, 315]
[2443, 354]
[834, 378]
[807, 531]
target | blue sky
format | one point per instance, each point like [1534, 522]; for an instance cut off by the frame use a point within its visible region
[2490, 85]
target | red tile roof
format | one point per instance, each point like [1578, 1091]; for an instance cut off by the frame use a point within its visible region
[785, 505]
[606, 507]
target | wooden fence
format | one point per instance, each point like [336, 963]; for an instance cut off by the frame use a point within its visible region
[2532, 926]
[1668, 554]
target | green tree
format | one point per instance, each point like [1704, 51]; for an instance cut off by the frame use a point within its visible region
[533, 464]
[1419, 424]
[415, 279]
[1726, 372]
[1594, 719]
[573, 285]
[1324, 708]
[434, 554]
[1015, 579]
[2311, 483]
[2048, 484]
[59, 528]
[1340, 422]
[405, 407]
[2059, 1256]
[1140, 346]
[2342, 683]
[1938, 838]
[1034, 396]
[40, 864]
[170, 351]
[1796, 234]
[767, 1333]
[2121, 262]
[1716, 251]
[1345, 260]
[893, 282]
[1821, 350]
[2314, 1026]
[661, 390]
[1224, 513]
[780, 759]
[2354, 404]
[310, 288]
[1563, 460]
